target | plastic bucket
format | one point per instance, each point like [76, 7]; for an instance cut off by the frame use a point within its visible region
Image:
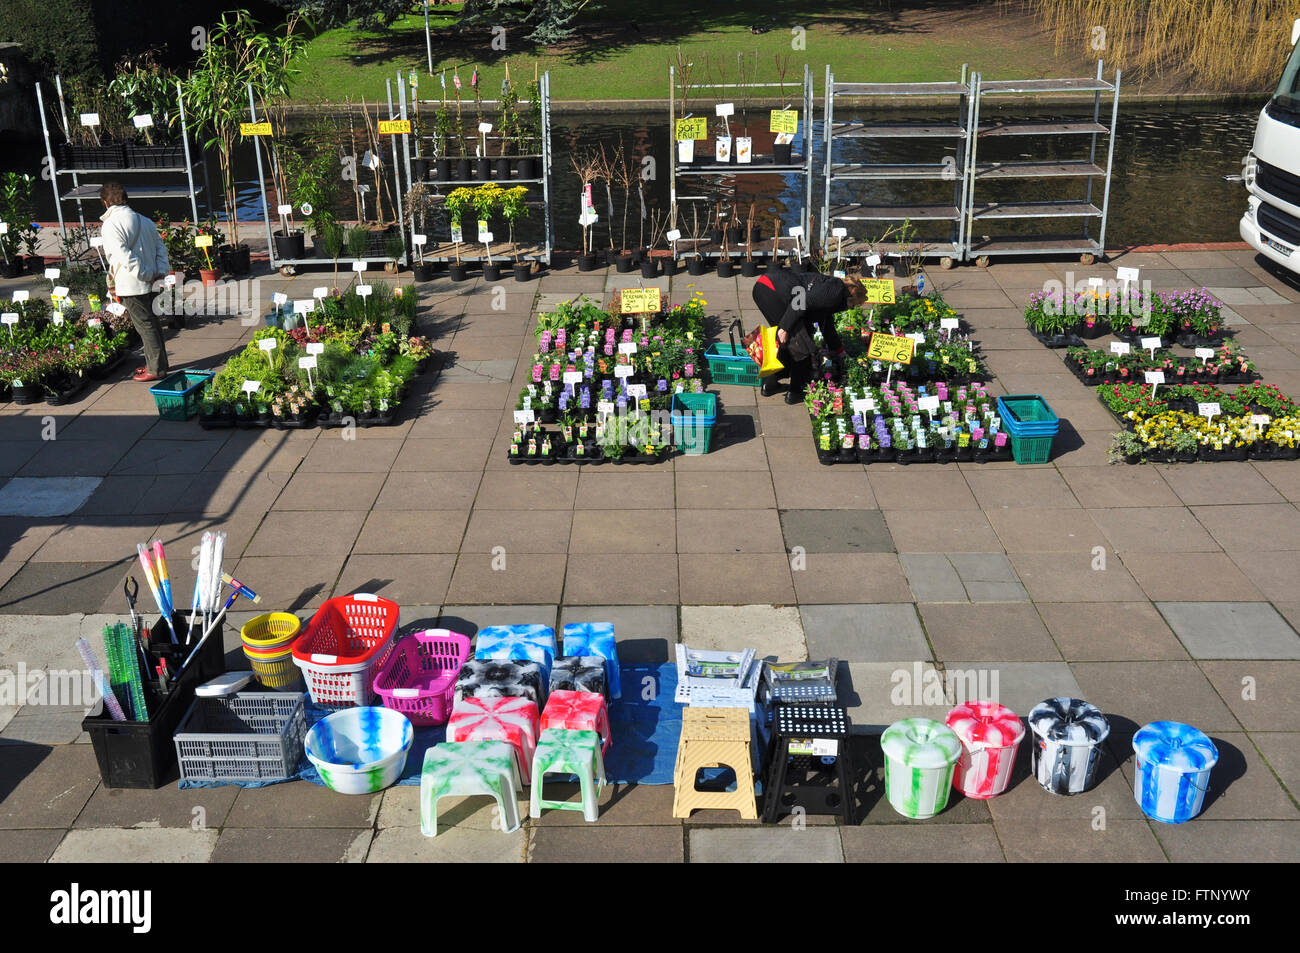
[1068, 733]
[272, 630]
[1173, 770]
[920, 755]
[990, 736]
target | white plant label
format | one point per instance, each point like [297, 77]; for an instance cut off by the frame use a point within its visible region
[604, 406]
[456, 235]
[929, 404]
[268, 344]
[725, 109]
[320, 292]
[1126, 274]
[636, 390]
[115, 307]
[90, 119]
[1150, 344]
[628, 347]
[1208, 411]
[948, 324]
[9, 318]
[1119, 347]
[57, 318]
[1205, 353]
[572, 377]
[623, 370]
[1155, 377]
[97, 241]
[673, 235]
[796, 231]
[1260, 420]
[485, 237]
[363, 291]
[358, 266]
[306, 208]
[485, 127]
[315, 347]
[251, 387]
[60, 291]
[839, 232]
[873, 261]
[279, 297]
[917, 336]
[419, 239]
[284, 210]
[525, 416]
[52, 274]
[304, 305]
[4, 228]
[142, 121]
[864, 405]
[308, 362]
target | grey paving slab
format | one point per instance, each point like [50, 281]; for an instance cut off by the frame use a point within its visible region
[469, 619]
[1242, 842]
[621, 805]
[456, 845]
[1231, 630]
[44, 787]
[842, 578]
[44, 724]
[920, 844]
[1118, 631]
[836, 531]
[401, 808]
[877, 694]
[167, 807]
[1281, 749]
[932, 577]
[57, 588]
[292, 846]
[741, 579]
[988, 577]
[1018, 685]
[143, 846]
[608, 845]
[774, 632]
[619, 578]
[406, 579]
[45, 496]
[29, 847]
[864, 633]
[1134, 693]
[768, 844]
[991, 632]
[1043, 840]
[1264, 695]
[301, 805]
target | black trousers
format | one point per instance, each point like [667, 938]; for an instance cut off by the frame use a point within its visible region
[800, 373]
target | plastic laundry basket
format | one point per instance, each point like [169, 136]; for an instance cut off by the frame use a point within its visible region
[920, 755]
[693, 418]
[1068, 733]
[346, 642]
[419, 677]
[1173, 770]
[990, 736]
[1031, 424]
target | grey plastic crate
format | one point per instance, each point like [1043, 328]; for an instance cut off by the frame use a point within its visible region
[251, 736]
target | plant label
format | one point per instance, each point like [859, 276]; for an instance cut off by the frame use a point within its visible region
[284, 210]
[320, 292]
[948, 324]
[724, 109]
[685, 150]
[306, 208]
[784, 120]
[604, 406]
[304, 305]
[268, 344]
[485, 127]
[864, 405]
[4, 228]
[588, 217]
[623, 370]
[673, 235]
[572, 377]
[873, 261]
[840, 232]
[1260, 420]
[359, 266]
[9, 318]
[115, 307]
[279, 297]
[394, 127]
[1119, 347]
[1205, 353]
[929, 404]
[457, 235]
[142, 121]
[916, 336]
[315, 348]
[744, 150]
[1126, 274]
[722, 149]
[1209, 411]
[879, 290]
[93, 322]
[52, 274]
[636, 390]
[202, 241]
[307, 362]
[60, 291]
[628, 347]
[1155, 377]
[251, 387]
[90, 119]
[97, 241]
[419, 239]
[170, 280]
[485, 237]
[57, 318]
[1150, 344]
[638, 301]
[525, 416]
[370, 160]
[796, 231]
[363, 291]
[887, 347]
[255, 129]
[839, 273]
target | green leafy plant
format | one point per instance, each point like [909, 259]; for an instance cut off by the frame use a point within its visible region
[513, 208]
[357, 236]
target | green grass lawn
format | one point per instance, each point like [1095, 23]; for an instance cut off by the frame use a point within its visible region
[627, 45]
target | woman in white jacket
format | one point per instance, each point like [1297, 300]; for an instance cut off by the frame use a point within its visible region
[137, 258]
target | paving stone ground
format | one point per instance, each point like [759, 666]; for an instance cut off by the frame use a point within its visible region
[1157, 592]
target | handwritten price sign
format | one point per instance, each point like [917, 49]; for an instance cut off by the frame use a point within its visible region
[784, 120]
[394, 127]
[255, 129]
[879, 290]
[696, 128]
[639, 300]
[887, 347]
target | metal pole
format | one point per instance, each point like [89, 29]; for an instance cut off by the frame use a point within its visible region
[397, 172]
[808, 156]
[261, 185]
[1092, 151]
[189, 162]
[977, 96]
[546, 160]
[406, 139]
[428, 39]
[67, 134]
[49, 155]
[1110, 161]
[828, 117]
[672, 153]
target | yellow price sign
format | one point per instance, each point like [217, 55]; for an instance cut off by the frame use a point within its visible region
[784, 120]
[638, 300]
[393, 127]
[254, 128]
[879, 290]
[202, 241]
[887, 347]
[696, 128]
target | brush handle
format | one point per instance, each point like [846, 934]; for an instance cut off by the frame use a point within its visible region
[97, 673]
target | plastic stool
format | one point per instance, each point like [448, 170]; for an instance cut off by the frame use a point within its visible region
[533, 643]
[714, 737]
[580, 673]
[563, 751]
[811, 763]
[596, 638]
[512, 720]
[469, 767]
[501, 679]
[580, 711]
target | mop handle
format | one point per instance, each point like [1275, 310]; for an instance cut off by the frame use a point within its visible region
[211, 627]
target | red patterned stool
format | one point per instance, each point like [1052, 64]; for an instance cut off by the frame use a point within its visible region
[513, 720]
[578, 711]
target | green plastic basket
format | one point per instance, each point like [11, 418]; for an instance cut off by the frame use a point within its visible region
[729, 364]
[177, 395]
[693, 418]
[1031, 449]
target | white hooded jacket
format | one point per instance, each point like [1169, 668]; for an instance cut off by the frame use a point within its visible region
[136, 254]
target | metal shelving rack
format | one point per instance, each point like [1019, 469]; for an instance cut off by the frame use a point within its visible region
[949, 250]
[89, 191]
[803, 167]
[503, 251]
[982, 248]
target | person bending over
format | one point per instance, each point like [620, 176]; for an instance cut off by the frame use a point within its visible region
[795, 303]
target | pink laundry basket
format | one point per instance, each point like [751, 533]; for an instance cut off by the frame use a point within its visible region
[419, 677]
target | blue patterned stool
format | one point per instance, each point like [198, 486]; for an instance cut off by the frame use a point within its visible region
[596, 638]
[533, 643]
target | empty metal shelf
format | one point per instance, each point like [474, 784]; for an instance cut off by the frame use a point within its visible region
[949, 213]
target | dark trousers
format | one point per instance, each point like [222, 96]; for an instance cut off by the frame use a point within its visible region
[140, 310]
[800, 373]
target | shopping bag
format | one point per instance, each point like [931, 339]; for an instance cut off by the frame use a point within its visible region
[761, 345]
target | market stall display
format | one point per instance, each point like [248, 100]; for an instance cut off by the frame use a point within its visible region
[359, 750]
[1174, 762]
[51, 349]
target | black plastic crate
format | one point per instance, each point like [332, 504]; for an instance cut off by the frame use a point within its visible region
[91, 158]
[141, 754]
[168, 156]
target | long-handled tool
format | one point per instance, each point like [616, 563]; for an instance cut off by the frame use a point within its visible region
[237, 589]
[204, 571]
[152, 580]
[132, 589]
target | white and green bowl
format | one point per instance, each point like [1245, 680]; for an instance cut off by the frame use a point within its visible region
[360, 750]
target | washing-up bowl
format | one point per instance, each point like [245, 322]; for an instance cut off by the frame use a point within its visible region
[360, 750]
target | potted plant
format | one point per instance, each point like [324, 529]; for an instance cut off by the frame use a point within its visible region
[507, 124]
[724, 263]
[749, 268]
[420, 206]
[149, 92]
[487, 201]
[586, 165]
[459, 201]
[529, 134]
[101, 144]
[513, 208]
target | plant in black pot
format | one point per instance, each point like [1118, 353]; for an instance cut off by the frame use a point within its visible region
[586, 164]
[487, 202]
[724, 263]
[514, 207]
[444, 130]
[459, 202]
[749, 268]
[420, 205]
[529, 132]
[307, 178]
[149, 92]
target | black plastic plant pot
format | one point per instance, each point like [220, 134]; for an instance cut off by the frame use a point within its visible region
[523, 271]
[586, 262]
[624, 264]
[611, 256]
[458, 272]
[649, 267]
[235, 260]
[483, 168]
[527, 167]
[419, 170]
[291, 247]
[491, 271]
[670, 266]
[424, 272]
[503, 166]
[11, 268]
[783, 154]
[442, 169]
[715, 236]
[799, 267]
[697, 265]
[725, 269]
[749, 268]
[462, 169]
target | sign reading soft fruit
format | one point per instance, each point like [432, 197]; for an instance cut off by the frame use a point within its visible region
[694, 128]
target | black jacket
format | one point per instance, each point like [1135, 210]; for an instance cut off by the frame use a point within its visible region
[794, 301]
